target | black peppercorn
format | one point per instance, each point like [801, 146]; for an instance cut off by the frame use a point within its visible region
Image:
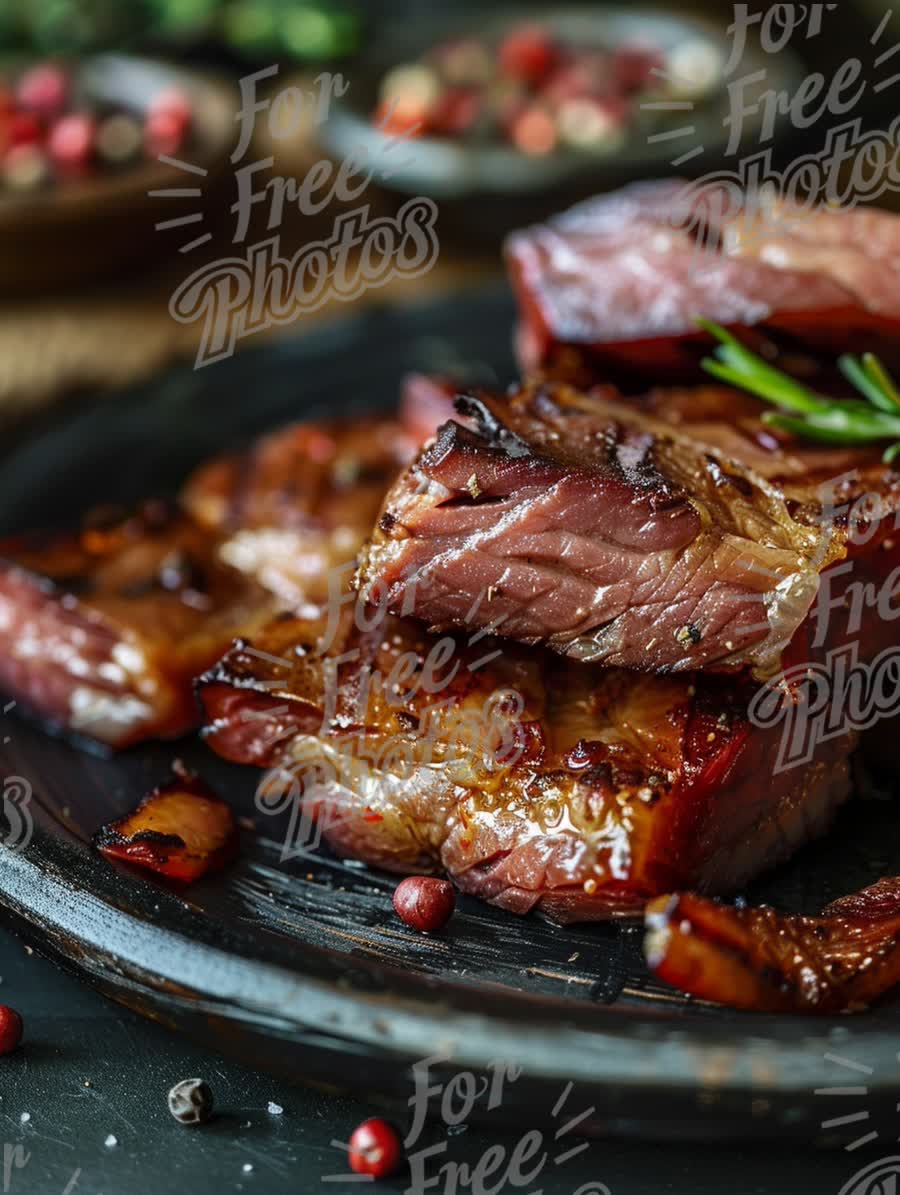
[191, 1101]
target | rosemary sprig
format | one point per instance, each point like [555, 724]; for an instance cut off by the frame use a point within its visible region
[875, 416]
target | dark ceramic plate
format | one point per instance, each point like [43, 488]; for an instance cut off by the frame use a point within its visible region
[301, 966]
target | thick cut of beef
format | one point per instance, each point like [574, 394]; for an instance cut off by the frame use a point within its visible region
[533, 782]
[604, 531]
[612, 288]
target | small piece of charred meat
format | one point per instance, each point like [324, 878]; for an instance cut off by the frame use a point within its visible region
[182, 830]
[760, 959]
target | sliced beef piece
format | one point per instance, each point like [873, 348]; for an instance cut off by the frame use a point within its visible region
[531, 781]
[611, 289]
[101, 632]
[858, 248]
[293, 510]
[600, 530]
[760, 959]
[730, 421]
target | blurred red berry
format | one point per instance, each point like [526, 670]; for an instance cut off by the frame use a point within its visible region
[588, 74]
[424, 902]
[164, 133]
[71, 141]
[401, 117]
[23, 129]
[44, 89]
[528, 53]
[455, 111]
[374, 1149]
[168, 119]
[534, 132]
[633, 67]
[174, 102]
[10, 1029]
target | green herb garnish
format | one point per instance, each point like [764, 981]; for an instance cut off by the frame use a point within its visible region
[876, 416]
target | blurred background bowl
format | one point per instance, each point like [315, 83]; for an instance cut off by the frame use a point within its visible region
[92, 227]
[485, 188]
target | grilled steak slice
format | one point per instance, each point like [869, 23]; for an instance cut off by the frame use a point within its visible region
[293, 510]
[612, 287]
[531, 781]
[600, 530]
[757, 958]
[102, 632]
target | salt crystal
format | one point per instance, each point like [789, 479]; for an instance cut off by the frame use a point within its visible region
[111, 1141]
[247, 1167]
[274, 1109]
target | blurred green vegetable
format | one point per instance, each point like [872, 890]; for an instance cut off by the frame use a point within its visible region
[304, 30]
[69, 26]
[308, 29]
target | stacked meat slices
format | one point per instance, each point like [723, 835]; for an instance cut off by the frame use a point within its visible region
[609, 784]
[541, 679]
[630, 569]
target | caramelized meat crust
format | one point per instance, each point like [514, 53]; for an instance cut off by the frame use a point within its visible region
[531, 781]
[760, 959]
[102, 631]
[181, 830]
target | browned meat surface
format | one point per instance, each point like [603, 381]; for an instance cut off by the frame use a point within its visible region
[595, 791]
[102, 632]
[182, 830]
[757, 958]
[294, 509]
[612, 287]
[602, 531]
[674, 531]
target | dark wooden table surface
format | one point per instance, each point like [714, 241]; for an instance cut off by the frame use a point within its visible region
[76, 1038]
